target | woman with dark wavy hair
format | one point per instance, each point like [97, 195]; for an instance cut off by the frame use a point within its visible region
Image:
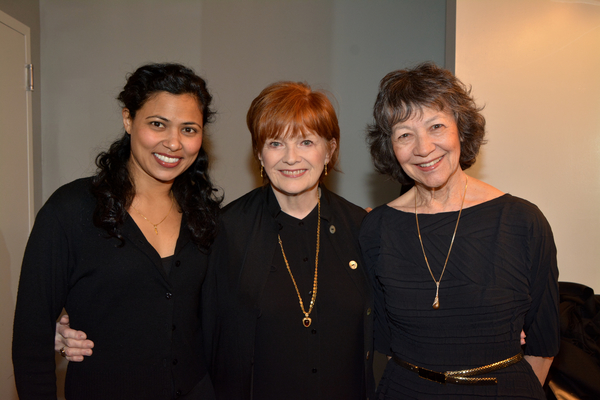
[125, 253]
[458, 267]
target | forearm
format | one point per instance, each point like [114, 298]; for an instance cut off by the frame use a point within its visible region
[540, 365]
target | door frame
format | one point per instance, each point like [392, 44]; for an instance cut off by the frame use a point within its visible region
[23, 29]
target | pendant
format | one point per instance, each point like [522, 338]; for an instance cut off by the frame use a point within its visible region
[306, 322]
[155, 229]
[436, 302]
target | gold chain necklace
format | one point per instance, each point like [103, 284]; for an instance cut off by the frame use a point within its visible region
[436, 302]
[306, 321]
[162, 220]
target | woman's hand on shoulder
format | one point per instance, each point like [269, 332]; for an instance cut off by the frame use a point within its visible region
[70, 343]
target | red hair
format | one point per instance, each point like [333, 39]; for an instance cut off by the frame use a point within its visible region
[286, 109]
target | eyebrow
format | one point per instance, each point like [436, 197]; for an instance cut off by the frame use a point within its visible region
[167, 120]
[157, 116]
[427, 121]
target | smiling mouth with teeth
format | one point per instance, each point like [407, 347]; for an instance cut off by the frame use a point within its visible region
[166, 159]
[296, 172]
[431, 163]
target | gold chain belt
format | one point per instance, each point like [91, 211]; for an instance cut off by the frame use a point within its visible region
[462, 377]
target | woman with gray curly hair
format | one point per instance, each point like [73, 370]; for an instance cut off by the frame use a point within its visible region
[459, 268]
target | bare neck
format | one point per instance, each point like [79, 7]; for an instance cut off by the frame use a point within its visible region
[446, 198]
[148, 189]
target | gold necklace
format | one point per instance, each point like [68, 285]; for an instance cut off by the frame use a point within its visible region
[436, 301]
[162, 220]
[306, 321]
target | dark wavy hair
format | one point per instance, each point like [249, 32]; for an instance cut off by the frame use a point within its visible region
[403, 94]
[195, 194]
[295, 105]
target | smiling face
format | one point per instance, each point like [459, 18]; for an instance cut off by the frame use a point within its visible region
[294, 163]
[166, 136]
[427, 146]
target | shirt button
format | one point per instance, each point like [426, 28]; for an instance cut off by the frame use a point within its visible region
[175, 361]
[353, 264]
[177, 263]
[168, 295]
[178, 393]
[368, 311]
[314, 370]
[314, 331]
[305, 259]
[332, 229]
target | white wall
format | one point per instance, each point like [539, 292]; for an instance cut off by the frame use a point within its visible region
[343, 46]
[535, 65]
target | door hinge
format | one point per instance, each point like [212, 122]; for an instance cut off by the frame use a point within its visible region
[29, 74]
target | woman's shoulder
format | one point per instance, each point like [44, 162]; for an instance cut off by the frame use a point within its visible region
[522, 209]
[245, 214]
[341, 205]
[375, 219]
[246, 202]
[68, 204]
[512, 212]
[72, 194]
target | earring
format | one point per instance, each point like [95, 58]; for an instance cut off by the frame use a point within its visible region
[261, 171]
[326, 169]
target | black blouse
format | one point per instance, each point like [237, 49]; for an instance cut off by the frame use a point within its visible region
[294, 361]
[260, 348]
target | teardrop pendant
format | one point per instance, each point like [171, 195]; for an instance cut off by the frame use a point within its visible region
[436, 302]
[306, 322]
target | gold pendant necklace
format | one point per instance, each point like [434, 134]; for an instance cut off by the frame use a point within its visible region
[436, 301]
[162, 220]
[306, 321]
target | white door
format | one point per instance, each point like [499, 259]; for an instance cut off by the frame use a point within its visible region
[16, 180]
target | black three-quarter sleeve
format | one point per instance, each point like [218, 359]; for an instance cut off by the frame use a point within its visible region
[541, 323]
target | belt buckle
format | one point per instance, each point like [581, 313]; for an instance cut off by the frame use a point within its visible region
[434, 376]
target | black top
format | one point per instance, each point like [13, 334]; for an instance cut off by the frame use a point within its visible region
[501, 277]
[145, 325]
[316, 361]
[260, 348]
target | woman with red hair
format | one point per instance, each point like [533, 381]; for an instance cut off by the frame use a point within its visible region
[294, 305]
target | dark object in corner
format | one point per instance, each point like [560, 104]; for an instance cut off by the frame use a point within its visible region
[575, 372]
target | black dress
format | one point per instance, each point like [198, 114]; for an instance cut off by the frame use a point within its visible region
[501, 277]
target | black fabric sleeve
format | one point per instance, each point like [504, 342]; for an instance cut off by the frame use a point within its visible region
[542, 320]
[41, 296]
[370, 241]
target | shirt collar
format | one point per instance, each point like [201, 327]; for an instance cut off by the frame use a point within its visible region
[274, 208]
